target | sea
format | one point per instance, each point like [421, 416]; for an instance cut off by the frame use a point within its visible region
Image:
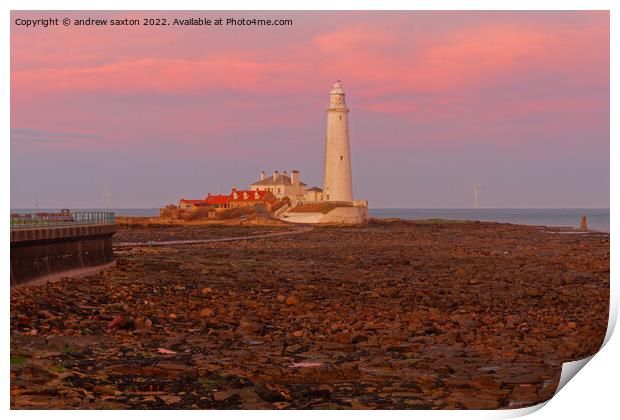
[598, 219]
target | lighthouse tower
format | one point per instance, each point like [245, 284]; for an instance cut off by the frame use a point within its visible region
[337, 185]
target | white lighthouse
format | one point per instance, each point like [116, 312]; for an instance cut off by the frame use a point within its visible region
[338, 206]
[337, 184]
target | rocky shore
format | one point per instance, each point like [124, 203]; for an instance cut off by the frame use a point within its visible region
[392, 314]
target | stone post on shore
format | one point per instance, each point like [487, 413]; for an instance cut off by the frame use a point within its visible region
[584, 223]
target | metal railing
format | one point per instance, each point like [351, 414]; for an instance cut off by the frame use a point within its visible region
[37, 220]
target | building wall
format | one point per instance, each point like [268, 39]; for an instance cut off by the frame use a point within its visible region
[276, 189]
[244, 203]
[312, 196]
[294, 192]
[185, 206]
[282, 190]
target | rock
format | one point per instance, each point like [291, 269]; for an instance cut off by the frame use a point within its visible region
[471, 324]
[170, 399]
[264, 313]
[474, 403]
[121, 323]
[534, 293]
[223, 395]
[524, 392]
[359, 339]
[280, 298]
[103, 390]
[247, 326]
[206, 290]
[45, 314]
[486, 382]
[292, 300]
[206, 312]
[341, 337]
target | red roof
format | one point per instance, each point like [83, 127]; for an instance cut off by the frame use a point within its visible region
[216, 199]
[248, 195]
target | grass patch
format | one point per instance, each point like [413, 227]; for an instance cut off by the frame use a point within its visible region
[210, 382]
[144, 355]
[58, 367]
[67, 349]
[18, 360]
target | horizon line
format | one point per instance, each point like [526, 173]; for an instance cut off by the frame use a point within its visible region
[370, 208]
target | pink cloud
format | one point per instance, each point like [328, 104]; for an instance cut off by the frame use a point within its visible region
[384, 59]
[389, 66]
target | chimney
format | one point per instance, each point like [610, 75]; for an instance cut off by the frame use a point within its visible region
[275, 175]
[295, 177]
[262, 175]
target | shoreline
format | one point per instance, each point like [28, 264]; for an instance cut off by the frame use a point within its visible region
[146, 221]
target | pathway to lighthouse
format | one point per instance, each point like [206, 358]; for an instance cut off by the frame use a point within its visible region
[206, 241]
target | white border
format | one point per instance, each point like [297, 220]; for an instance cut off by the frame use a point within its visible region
[594, 394]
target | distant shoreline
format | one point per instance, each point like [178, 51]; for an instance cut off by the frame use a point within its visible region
[156, 222]
[598, 218]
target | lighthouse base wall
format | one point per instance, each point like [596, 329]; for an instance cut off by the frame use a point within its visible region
[337, 216]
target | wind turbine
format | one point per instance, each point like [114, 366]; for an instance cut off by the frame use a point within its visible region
[476, 196]
[106, 198]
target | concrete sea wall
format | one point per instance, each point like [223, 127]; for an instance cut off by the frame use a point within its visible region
[339, 215]
[43, 254]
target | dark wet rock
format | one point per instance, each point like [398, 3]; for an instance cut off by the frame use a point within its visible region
[122, 323]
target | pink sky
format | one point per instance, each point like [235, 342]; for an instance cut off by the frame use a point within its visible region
[517, 102]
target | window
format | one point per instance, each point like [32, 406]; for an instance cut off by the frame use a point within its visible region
[341, 158]
[341, 117]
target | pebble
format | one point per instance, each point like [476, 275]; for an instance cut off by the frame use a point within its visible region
[292, 300]
[206, 312]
